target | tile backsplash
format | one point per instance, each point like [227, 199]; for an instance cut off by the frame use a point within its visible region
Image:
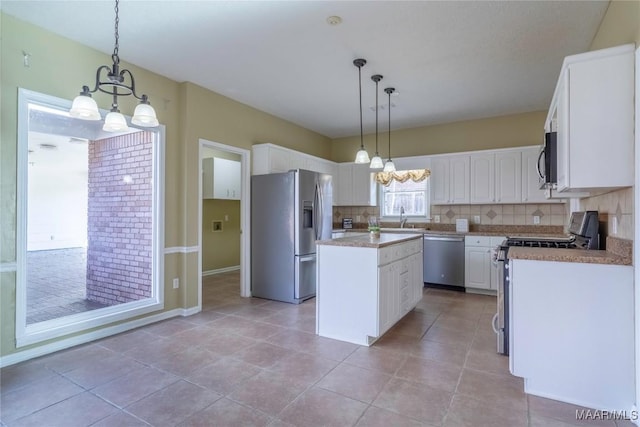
[616, 206]
[516, 214]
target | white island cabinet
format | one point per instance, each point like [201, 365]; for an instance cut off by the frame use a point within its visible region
[365, 285]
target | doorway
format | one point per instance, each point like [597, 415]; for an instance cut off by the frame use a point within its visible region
[223, 226]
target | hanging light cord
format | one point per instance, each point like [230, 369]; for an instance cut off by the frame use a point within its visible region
[389, 91]
[115, 56]
[377, 116]
[360, 86]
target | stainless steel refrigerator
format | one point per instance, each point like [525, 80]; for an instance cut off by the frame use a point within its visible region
[289, 212]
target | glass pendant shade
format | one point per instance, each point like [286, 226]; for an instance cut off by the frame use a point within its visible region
[144, 115]
[85, 108]
[115, 122]
[389, 166]
[376, 163]
[362, 156]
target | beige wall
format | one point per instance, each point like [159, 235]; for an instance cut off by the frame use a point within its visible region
[220, 249]
[497, 132]
[620, 25]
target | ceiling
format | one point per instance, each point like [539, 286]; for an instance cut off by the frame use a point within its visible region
[449, 60]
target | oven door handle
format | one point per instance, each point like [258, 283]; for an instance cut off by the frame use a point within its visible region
[494, 322]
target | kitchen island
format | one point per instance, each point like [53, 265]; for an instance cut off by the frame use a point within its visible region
[366, 284]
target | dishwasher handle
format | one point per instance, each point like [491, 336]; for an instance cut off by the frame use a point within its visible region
[445, 238]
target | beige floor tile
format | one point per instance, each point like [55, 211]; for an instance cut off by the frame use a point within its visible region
[224, 375]
[396, 343]
[160, 349]
[21, 375]
[128, 340]
[108, 369]
[376, 417]
[332, 349]
[78, 411]
[169, 327]
[294, 340]
[354, 382]
[263, 355]
[450, 352]
[493, 390]
[194, 337]
[566, 412]
[226, 344]
[225, 413]
[74, 358]
[269, 392]
[35, 396]
[449, 336]
[173, 404]
[204, 317]
[439, 375]
[304, 367]
[468, 412]
[185, 362]
[414, 400]
[120, 419]
[377, 360]
[488, 361]
[134, 386]
[538, 421]
[317, 407]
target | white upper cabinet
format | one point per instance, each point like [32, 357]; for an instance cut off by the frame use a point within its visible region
[221, 179]
[355, 186]
[482, 178]
[508, 176]
[270, 158]
[593, 108]
[496, 177]
[449, 179]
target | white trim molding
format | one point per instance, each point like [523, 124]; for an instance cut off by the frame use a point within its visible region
[636, 232]
[181, 250]
[220, 270]
[8, 267]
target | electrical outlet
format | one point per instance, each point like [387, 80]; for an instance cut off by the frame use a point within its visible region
[226, 217]
[357, 218]
[436, 218]
[176, 283]
[536, 219]
[476, 219]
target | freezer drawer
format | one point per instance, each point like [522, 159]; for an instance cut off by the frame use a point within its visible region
[305, 277]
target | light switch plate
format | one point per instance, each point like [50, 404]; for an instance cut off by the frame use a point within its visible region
[536, 219]
[476, 219]
[436, 218]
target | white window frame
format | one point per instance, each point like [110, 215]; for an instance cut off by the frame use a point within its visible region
[55, 328]
[415, 218]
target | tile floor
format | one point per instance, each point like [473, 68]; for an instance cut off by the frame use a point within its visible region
[253, 362]
[56, 284]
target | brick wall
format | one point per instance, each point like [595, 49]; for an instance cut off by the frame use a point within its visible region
[120, 219]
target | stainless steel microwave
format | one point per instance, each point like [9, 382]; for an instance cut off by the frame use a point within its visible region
[547, 161]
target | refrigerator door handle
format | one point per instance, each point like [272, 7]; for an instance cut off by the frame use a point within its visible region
[317, 222]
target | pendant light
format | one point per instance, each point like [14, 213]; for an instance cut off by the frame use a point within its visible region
[389, 166]
[361, 156]
[111, 80]
[376, 161]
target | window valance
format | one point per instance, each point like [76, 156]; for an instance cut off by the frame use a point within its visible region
[416, 175]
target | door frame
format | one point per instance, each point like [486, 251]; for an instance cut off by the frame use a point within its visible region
[245, 215]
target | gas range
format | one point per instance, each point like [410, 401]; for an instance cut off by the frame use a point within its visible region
[540, 243]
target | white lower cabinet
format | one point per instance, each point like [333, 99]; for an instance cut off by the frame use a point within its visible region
[571, 331]
[362, 292]
[479, 271]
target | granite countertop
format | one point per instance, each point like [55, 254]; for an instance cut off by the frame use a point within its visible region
[365, 240]
[454, 233]
[568, 255]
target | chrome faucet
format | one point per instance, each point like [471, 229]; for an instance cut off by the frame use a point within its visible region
[403, 221]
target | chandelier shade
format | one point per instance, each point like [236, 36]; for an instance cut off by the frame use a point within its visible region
[115, 82]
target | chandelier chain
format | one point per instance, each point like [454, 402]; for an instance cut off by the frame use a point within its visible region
[116, 58]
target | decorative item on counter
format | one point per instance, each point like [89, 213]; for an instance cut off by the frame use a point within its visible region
[347, 223]
[374, 226]
[462, 225]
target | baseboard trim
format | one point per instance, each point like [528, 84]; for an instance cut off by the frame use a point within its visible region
[220, 270]
[24, 355]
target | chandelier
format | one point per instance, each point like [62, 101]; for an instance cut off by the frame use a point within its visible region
[116, 82]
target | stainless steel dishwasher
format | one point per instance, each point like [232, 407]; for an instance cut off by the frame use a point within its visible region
[444, 261]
